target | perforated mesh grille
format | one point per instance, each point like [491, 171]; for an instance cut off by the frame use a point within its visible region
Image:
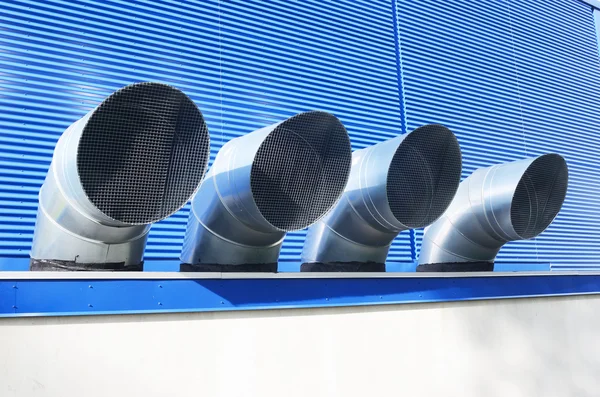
[424, 175]
[301, 169]
[539, 195]
[143, 153]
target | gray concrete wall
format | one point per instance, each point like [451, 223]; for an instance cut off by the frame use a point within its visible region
[506, 348]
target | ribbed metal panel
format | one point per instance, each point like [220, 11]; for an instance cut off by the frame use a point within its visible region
[513, 79]
[559, 82]
[246, 65]
[280, 58]
[58, 59]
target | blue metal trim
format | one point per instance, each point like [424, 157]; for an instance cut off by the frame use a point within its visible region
[399, 71]
[44, 297]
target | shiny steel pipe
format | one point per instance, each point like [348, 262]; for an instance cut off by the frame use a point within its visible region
[495, 205]
[135, 159]
[404, 183]
[279, 178]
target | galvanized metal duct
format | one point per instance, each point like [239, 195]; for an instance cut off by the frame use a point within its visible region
[495, 205]
[277, 179]
[135, 159]
[404, 183]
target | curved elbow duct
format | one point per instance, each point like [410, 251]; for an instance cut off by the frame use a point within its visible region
[495, 205]
[135, 159]
[404, 183]
[277, 179]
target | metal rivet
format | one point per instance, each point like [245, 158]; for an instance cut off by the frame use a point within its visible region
[90, 305]
[89, 286]
[160, 303]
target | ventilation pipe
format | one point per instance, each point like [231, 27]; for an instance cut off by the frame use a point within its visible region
[404, 183]
[495, 205]
[277, 179]
[135, 159]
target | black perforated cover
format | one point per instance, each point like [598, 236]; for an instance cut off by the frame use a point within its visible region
[143, 153]
[539, 195]
[301, 169]
[424, 175]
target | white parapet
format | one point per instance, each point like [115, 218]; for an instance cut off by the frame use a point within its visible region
[514, 347]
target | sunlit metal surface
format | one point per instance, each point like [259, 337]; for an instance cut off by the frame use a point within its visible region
[135, 159]
[495, 205]
[277, 179]
[403, 183]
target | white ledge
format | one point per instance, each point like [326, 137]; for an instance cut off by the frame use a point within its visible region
[27, 275]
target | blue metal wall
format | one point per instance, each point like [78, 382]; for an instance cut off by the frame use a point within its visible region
[509, 78]
[513, 79]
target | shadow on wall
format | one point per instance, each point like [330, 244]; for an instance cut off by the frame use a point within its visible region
[539, 348]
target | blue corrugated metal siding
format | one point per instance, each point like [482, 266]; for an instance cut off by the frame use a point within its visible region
[459, 71]
[285, 57]
[597, 24]
[513, 79]
[245, 64]
[559, 83]
[58, 59]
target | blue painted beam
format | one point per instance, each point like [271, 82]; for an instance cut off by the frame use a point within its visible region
[57, 295]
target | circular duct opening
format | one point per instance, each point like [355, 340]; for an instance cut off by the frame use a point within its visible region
[424, 175]
[143, 153]
[301, 169]
[539, 195]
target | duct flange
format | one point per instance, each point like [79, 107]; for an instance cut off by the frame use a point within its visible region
[277, 179]
[135, 159]
[404, 183]
[505, 202]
